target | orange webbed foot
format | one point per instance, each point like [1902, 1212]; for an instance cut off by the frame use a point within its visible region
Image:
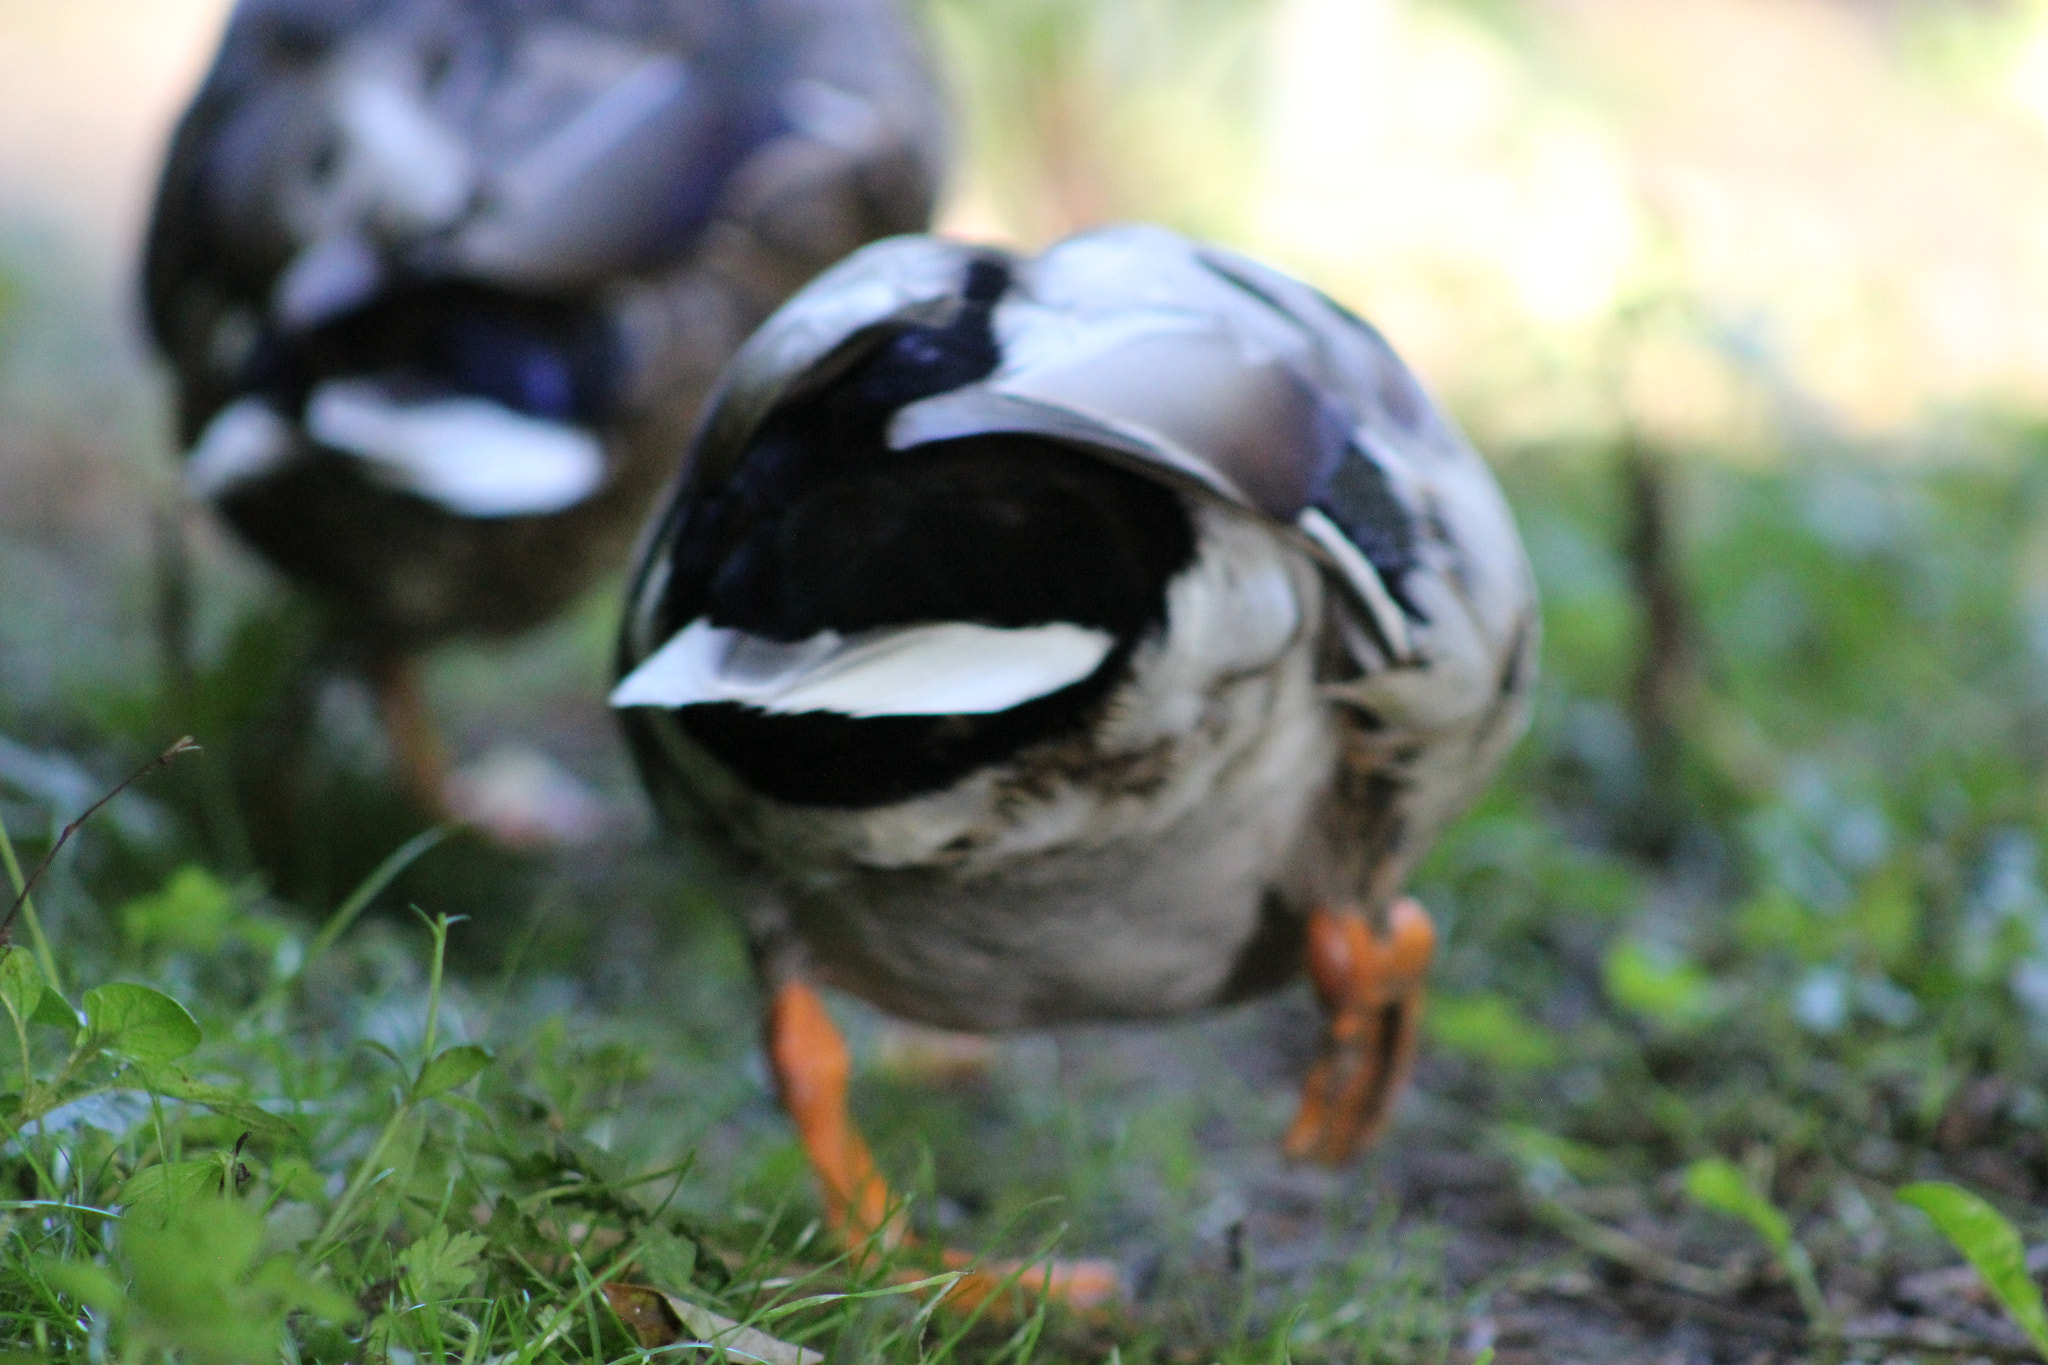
[1370, 985]
[811, 1066]
[514, 796]
[1083, 1286]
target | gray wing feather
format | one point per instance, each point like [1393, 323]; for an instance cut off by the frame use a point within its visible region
[829, 140]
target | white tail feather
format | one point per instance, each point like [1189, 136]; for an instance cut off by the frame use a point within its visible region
[473, 456]
[334, 274]
[947, 669]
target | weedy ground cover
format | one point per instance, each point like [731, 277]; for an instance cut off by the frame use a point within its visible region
[1741, 1014]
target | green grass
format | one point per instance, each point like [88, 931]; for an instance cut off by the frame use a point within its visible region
[1802, 952]
[328, 1167]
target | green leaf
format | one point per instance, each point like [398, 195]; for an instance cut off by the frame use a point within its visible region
[155, 1193]
[1547, 1159]
[468, 1107]
[89, 1284]
[667, 1260]
[296, 1179]
[21, 983]
[194, 910]
[1991, 1244]
[1719, 1184]
[229, 1104]
[372, 1045]
[1775, 919]
[201, 1288]
[1492, 1028]
[1884, 922]
[449, 1069]
[140, 1024]
[441, 1264]
[54, 1010]
[1675, 994]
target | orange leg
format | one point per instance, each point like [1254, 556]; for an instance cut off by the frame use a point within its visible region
[1371, 988]
[417, 753]
[809, 1059]
[811, 1070]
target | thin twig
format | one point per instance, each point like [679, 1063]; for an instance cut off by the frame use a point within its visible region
[1612, 1244]
[1664, 693]
[1667, 673]
[1786, 1331]
[183, 746]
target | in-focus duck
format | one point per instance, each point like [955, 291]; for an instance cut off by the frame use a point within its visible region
[444, 282]
[1100, 635]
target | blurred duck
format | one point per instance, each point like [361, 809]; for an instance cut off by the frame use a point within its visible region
[445, 281]
[1096, 636]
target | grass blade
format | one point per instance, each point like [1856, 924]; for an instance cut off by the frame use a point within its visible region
[386, 872]
[1991, 1244]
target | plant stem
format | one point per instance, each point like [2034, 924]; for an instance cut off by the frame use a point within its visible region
[185, 745]
[439, 928]
[365, 1172]
[359, 1182]
[45, 959]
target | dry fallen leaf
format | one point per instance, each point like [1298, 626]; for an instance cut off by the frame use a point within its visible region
[658, 1319]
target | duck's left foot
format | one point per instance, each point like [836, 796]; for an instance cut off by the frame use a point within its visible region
[419, 756]
[1081, 1286]
[933, 1056]
[525, 800]
[1370, 983]
[515, 796]
[811, 1066]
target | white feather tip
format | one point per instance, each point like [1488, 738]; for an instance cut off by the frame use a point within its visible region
[950, 668]
[474, 457]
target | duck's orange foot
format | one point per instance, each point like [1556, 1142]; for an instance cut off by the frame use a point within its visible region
[1008, 1287]
[811, 1067]
[1371, 988]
